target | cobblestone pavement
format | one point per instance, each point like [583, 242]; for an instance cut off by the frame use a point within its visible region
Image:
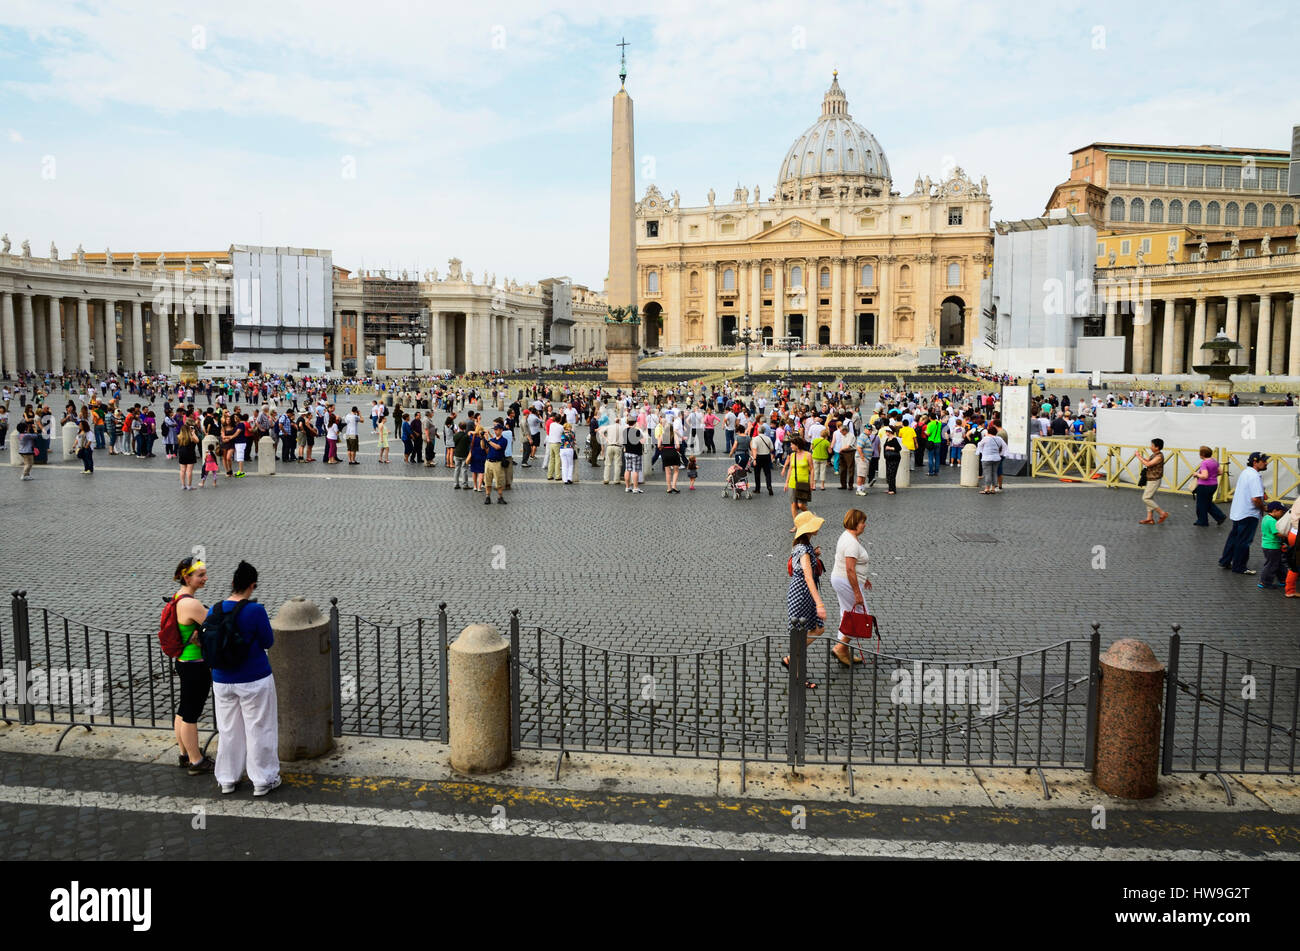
[957, 575]
[63, 808]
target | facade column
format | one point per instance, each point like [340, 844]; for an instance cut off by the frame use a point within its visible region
[711, 306]
[1141, 337]
[1232, 327]
[1180, 338]
[851, 274]
[83, 334]
[29, 333]
[1246, 327]
[1293, 358]
[1264, 336]
[338, 339]
[756, 294]
[1277, 316]
[41, 306]
[137, 336]
[778, 298]
[1111, 304]
[1198, 332]
[885, 317]
[164, 344]
[8, 334]
[213, 349]
[98, 363]
[435, 341]
[110, 336]
[1167, 339]
[671, 334]
[837, 301]
[54, 312]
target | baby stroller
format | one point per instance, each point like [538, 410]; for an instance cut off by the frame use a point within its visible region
[737, 483]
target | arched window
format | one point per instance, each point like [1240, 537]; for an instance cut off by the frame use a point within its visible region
[652, 282]
[1250, 218]
[1175, 212]
[904, 276]
[954, 274]
[767, 279]
[825, 279]
[729, 279]
[1157, 210]
[695, 282]
[1136, 210]
[1212, 213]
[829, 164]
[1117, 209]
[1194, 213]
[1231, 214]
[1288, 217]
[1270, 216]
[868, 276]
[796, 276]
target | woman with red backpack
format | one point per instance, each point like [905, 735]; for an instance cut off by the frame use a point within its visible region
[192, 671]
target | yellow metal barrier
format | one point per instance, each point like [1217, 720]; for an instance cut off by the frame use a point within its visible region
[1061, 457]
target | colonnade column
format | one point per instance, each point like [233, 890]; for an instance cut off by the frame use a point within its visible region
[338, 339]
[163, 340]
[29, 333]
[1232, 328]
[1198, 331]
[1293, 359]
[110, 336]
[1141, 337]
[1264, 336]
[213, 349]
[137, 336]
[83, 334]
[1277, 366]
[8, 334]
[55, 333]
[1111, 305]
[1167, 339]
[1180, 339]
[711, 305]
[837, 301]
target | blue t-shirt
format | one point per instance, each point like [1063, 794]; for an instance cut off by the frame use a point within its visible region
[256, 627]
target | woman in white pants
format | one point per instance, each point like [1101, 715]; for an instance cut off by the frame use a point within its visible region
[568, 449]
[243, 691]
[849, 577]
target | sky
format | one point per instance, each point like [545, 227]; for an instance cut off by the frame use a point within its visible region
[401, 134]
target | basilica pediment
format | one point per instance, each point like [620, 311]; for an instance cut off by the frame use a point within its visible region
[796, 229]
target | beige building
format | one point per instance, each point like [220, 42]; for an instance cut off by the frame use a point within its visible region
[834, 255]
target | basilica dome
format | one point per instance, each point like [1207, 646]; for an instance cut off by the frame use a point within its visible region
[836, 156]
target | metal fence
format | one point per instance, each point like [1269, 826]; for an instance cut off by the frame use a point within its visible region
[1228, 712]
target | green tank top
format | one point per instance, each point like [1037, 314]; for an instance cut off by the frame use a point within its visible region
[191, 651]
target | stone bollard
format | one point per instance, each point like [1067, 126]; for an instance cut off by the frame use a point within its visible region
[209, 442]
[1128, 721]
[14, 458]
[904, 478]
[69, 437]
[266, 456]
[478, 698]
[970, 466]
[303, 679]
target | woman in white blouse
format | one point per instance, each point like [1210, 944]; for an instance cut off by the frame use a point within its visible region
[849, 576]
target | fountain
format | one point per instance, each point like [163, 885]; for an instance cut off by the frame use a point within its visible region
[188, 355]
[1219, 369]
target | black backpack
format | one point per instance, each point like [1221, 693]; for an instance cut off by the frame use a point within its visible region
[224, 646]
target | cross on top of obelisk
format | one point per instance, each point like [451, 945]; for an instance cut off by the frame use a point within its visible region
[622, 72]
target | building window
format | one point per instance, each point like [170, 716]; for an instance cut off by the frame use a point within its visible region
[868, 276]
[1136, 210]
[1175, 176]
[1157, 211]
[1249, 253]
[1101, 249]
[1250, 218]
[826, 223]
[1282, 175]
[1126, 248]
[1118, 172]
[1214, 176]
[1232, 176]
[728, 227]
[954, 274]
[1250, 177]
[904, 276]
[695, 282]
[1288, 216]
[695, 230]
[1268, 179]
[796, 276]
[652, 282]
[767, 280]
[906, 221]
[864, 221]
[825, 279]
[1231, 214]
[728, 279]
[1146, 245]
[1175, 212]
[1194, 213]
[652, 229]
[1270, 216]
[1156, 173]
[1117, 209]
[1223, 255]
[1137, 173]
[1280, 249]
[954, 216]
[1195, 176]
[767, 225]
[1212, 213]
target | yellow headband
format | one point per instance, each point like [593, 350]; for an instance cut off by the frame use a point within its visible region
[193, 568]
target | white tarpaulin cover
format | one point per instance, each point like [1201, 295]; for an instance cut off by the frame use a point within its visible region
[1270, 429]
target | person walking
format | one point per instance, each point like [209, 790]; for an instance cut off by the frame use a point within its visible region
[187, 452]
[633, 455]
[761, 448]
[84, 448]
[554, 435]
[243, 688]
[568, 451]
[1247, 508]
[991, 449]
[1207, 482]
[891, 447]
[613, 434]
[797, 475]
[849, 578]
[493, 472]
[803, 601]
[460, 448]
[351, 423]
[1154, 465]
[847, 457]
[1272, 541]
[191, 670]
[669, 450]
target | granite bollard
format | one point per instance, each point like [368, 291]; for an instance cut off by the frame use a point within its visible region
[1128, 721]
[478, 698]
[266, 456]
[904, 478]
[970, 466]
[69, 439]
[300, 659]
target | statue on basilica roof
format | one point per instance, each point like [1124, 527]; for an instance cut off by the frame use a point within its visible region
[4, 243]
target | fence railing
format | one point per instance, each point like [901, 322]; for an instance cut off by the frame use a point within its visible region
[1241, 713]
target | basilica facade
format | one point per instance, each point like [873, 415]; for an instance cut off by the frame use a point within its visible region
[834, 256]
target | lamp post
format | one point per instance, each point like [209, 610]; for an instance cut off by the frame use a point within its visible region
[748, 337]
[790, 345]
[538, 350]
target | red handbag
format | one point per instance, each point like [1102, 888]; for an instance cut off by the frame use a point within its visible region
[858, 623]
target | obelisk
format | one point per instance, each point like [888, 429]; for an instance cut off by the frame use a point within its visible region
[622, 339]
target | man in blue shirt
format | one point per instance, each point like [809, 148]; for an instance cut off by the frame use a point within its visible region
[492, 471]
